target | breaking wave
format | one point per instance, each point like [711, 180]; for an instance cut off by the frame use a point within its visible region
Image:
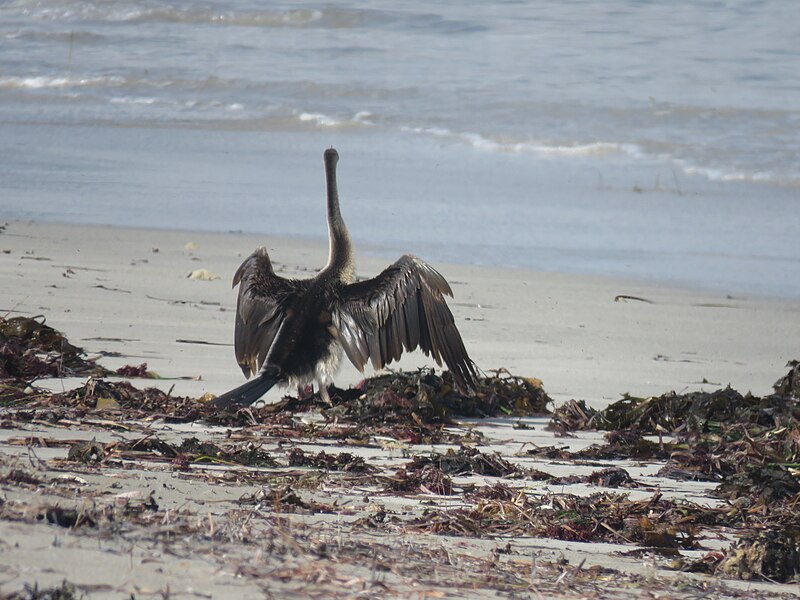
[606, 149]
[43, 82]
[325, 121]
[541, 148]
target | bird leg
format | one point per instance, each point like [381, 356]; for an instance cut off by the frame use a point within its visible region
[306, 391]
[326, 397]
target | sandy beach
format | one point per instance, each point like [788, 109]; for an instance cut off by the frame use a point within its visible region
[611, 190]
[128, 292]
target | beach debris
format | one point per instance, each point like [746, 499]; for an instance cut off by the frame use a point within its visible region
[202, 342]
[747, 447]
[31, 350]
[613, 477]
[66, 591]
[789, 384]
[69, 518]
[573, 415]
[192, 451]
[86, 452]
[427, 479]
[501, 511]
[100, 286]
[626, 298]
[773, 555]
[19, 476]
[139, 371]
[423, 396]
[467, 461]
[344, 461]
[203, 275]
[284, 500]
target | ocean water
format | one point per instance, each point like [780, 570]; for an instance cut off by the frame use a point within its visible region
[648, 139]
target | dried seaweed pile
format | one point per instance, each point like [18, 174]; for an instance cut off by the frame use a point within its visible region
[432, 473]
[601, 517]
[66, 591]
[113, 400]
[694, 412]
[718, 436]
[31, 350]
[344, 461]
[467, 461]
[190, 451]
[750, 445]
[413, 407]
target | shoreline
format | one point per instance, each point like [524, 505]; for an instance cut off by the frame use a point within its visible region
[562, 328]
[391, 250]
[449, 203]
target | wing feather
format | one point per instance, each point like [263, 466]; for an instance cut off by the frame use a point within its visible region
[259, 309]
[402, 308]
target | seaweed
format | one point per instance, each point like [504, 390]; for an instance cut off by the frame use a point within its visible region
[500, 511]
[773, 554]
[748, 446]
[86, 452]
[427, 478]
[283, 500]
[467, 461]
[194, 451]
[66, 591]
[789, 384]
[613, 477]
[413, 407]
[139, 371]
[31, 350]
[344, 461]
[573, 415]
[18, 476]
[677, 414]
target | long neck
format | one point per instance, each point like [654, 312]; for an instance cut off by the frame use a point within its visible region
[340, 256]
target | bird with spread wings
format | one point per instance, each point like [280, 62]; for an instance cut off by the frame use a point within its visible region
[295, 331]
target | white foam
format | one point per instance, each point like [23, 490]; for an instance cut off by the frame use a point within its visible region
[717, 174]
[319, 119]
[128, 100]
[591, 149]
[595, 149]
[42, 82]
[323, 120]
[499, 144]
[435, 131]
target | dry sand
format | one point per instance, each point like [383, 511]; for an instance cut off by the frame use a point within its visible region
[128, 291]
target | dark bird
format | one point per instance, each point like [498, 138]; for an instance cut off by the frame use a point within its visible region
[293, 331]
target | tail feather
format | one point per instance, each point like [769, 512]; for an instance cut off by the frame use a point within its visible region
[248, 392]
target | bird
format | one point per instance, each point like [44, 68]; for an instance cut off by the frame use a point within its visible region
[294, 331]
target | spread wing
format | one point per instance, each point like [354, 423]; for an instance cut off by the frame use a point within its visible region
[402, 308]
[260, 309]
